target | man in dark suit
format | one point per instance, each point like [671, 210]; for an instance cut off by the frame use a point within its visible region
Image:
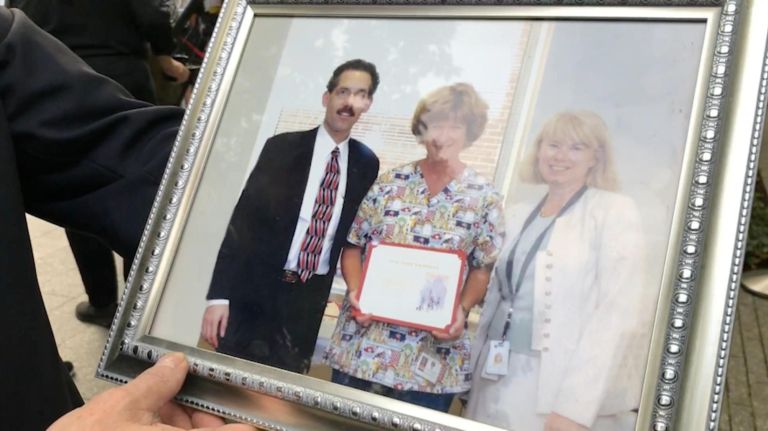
[278, 258]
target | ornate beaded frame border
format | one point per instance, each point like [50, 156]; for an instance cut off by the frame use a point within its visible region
[740, 240]
[124, 337]
[684, 291]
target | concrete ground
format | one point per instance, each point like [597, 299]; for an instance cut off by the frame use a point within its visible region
[745, 406]
[62, 290]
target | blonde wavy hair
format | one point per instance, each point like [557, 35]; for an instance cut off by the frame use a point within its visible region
[585, 127]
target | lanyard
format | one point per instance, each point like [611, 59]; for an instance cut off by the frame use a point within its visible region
[515, 287]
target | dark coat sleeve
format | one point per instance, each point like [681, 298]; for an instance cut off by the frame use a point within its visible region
[233, 256]
[89, 156]
[75, 150]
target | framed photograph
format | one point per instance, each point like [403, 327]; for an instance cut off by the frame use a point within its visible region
[427, 282]
[593, 160]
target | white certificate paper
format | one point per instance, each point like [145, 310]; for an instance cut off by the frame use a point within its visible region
[412, 286]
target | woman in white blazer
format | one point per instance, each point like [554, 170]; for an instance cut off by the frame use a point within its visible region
[563, 336]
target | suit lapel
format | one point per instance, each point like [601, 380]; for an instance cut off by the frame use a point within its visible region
[296, 174]
[288, 179]
[352, 193]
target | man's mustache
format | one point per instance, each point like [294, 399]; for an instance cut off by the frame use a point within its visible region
[346, 110]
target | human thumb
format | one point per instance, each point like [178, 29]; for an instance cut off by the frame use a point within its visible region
[158, 385]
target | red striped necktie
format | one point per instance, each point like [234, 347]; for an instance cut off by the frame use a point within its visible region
[312, 245]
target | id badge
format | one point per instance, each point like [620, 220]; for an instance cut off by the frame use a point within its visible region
[497, 362]
[428, 367]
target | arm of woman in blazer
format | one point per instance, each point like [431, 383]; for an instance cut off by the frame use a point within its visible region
[622, 305]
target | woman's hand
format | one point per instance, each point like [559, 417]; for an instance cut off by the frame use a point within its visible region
[352, 270]
[144, 404]
[555, 422]
[363, 319]
[455, 330]
[472, 294]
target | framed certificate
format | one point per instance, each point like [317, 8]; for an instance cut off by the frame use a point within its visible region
[426, 282]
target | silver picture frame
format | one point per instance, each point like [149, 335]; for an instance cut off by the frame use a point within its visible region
[698, 274]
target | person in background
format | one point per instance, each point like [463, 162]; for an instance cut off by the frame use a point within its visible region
[437, 202]
[78, 151]
[563, 336]
[114, 37]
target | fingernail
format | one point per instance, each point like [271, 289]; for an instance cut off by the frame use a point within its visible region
[171, 360]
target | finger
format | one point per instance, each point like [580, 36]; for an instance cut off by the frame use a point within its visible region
[237, 427]
[204, 331]
[214, 332]
[202, 419]
[157, 385]
[210, 326]
[208, 335]
[230, 427]
[353, 301]
[442, 335]
[205, 421]
[455, 329]
[213, 340]
[223, 324]
[364, 319]
[175, 415]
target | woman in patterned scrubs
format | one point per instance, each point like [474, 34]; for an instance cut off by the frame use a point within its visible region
[437, 202]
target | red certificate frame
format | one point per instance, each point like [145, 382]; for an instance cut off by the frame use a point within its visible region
[410, 285]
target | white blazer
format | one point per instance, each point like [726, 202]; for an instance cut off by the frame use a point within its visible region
[592, 308]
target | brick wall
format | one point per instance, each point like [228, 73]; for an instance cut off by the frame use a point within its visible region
[391, 138]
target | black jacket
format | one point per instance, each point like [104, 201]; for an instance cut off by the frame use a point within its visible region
[77, 151]
[110, 35]
[261, 228]
[94, 28]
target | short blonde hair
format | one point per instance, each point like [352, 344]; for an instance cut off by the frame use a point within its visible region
[584, 127]
[460, 102]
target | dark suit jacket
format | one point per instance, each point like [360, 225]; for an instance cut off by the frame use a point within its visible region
[77, 151]
[98, 28]
[260, 231]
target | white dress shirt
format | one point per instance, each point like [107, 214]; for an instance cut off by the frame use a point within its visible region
[321, 154]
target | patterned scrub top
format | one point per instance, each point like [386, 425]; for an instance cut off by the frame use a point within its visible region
[466, 215]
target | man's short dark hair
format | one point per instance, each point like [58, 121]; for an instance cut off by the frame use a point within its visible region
[356, 64]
